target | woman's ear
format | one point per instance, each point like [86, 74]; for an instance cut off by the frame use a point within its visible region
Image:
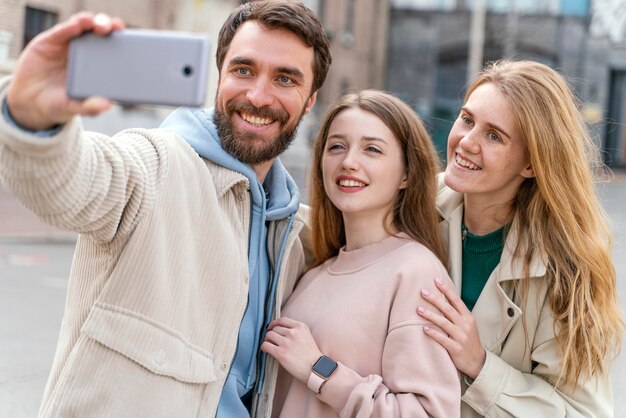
[528, 172]
[403, 183]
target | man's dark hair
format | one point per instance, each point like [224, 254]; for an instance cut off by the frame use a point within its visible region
[292, 16]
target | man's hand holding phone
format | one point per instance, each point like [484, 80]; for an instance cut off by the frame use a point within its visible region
[139, 66]
[37, 96]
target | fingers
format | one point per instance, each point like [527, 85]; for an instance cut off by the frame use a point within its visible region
[63, 32]
[94, 106]
[442, 305]
[100, 23]
[438, 320]
[280, 330]
[446, 342]
[275, 338]
[270, 349]
[450, 294]
[284, 322]
[117, 23]
[104, 24]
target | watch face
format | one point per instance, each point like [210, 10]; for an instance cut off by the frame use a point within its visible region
[325, 366]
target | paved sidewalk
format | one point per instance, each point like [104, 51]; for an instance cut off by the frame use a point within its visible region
[18, 223]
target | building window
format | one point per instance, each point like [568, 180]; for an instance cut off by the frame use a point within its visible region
[575, 7]
[321, 10]
[541, 7]
[427, 4]
[36, 21]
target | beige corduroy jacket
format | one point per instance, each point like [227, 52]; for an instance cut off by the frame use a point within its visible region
[159, 281]
[514, 379]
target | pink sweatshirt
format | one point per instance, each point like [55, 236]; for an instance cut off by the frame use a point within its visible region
[361, 309]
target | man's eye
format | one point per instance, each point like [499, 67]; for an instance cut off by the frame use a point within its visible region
[242, 71]
[285, 80]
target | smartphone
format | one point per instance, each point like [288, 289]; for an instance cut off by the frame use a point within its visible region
[135, 66]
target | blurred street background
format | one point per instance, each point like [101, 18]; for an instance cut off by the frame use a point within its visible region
[423, 51]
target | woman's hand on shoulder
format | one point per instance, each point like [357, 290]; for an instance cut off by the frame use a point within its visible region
[456, 332]
[291, 343]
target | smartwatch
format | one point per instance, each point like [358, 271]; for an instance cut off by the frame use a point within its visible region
[321, 370]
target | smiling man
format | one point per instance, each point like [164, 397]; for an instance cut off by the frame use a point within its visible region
[188, 238]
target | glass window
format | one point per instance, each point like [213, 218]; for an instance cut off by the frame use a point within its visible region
[574, 7]
[425, 4]
[349, 23]
[564, 7]
[36, 21]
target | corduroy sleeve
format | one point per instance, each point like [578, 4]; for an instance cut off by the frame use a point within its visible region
[85, 182]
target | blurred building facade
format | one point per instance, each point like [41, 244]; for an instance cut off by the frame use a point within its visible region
[21, 20]
[358, 31]
[417, 49]
[428, 56]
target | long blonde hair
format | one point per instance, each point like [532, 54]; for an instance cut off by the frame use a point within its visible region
[414, 211]
[559, 216]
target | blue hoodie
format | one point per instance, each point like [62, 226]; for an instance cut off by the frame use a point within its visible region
[277, 198]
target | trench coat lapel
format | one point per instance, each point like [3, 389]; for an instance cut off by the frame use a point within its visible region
[495, 312]
[450, 208]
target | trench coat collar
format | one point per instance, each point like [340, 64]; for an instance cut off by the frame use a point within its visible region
[495, 311]
[450, 209]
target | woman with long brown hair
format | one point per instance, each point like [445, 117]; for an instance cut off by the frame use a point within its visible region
[346, 336]
[537, 321]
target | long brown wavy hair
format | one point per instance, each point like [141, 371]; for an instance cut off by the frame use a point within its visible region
[559, 217]
[413, 211]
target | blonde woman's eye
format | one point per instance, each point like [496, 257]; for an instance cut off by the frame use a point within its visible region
[466, 120]
[494, 136]
[374, 149]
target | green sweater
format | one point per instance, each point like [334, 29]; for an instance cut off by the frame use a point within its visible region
[481, 254]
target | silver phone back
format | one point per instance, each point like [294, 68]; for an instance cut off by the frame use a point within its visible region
[140, 66]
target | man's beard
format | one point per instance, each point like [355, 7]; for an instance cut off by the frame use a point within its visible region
[241, 145]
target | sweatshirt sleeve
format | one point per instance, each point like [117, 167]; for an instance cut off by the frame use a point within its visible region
[85, 182]
[428, 386]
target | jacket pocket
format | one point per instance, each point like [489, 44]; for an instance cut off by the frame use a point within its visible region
[125, 365]
[154, 347]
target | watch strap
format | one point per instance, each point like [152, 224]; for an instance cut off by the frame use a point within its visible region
[315, 382]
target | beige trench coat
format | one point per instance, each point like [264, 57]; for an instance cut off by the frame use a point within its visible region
[514, 379]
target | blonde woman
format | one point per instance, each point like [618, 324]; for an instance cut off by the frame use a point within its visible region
[538, 320]
[346, 338]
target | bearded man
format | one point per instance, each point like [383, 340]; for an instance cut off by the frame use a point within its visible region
[188, 234]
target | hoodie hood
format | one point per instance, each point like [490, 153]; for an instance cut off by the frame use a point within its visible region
[196, 127]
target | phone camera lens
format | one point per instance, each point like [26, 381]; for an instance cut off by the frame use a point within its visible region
[187, 70]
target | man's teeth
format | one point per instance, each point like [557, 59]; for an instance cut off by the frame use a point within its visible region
[351, 183]
[255, 120]
[466, 164]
